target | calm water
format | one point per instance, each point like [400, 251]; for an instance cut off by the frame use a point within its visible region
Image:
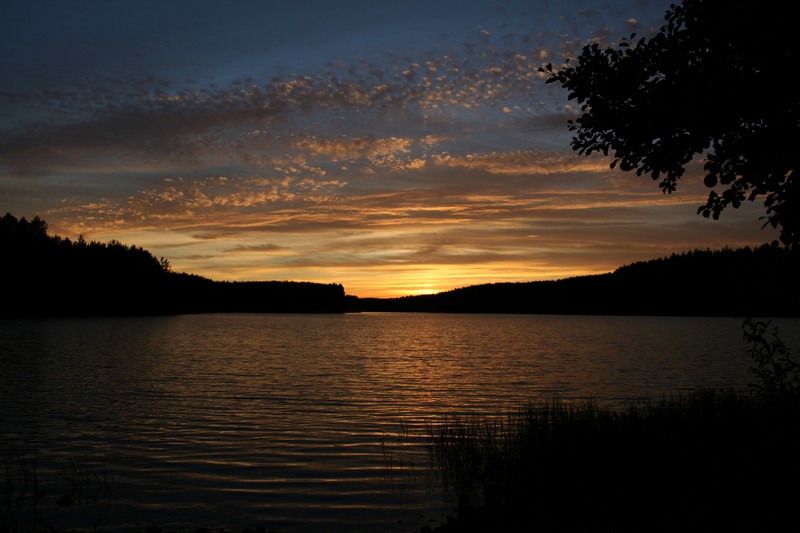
[285, 420]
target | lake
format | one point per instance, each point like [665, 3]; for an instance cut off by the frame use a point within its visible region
[302, 422]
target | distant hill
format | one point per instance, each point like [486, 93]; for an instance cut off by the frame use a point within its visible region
[43, 275]
[743, 282]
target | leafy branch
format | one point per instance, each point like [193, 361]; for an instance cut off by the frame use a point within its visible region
[774, 366]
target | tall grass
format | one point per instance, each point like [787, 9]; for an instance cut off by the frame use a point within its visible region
[35, 495]
[20, 492]
[710, 461]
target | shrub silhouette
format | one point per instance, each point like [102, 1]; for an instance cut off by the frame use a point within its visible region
[778, 373]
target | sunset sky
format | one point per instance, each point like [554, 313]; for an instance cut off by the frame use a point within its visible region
[396, 148]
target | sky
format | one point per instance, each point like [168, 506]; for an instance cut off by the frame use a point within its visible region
[397, 148]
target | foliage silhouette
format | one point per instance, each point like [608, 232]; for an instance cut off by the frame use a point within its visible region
[714, 79]
[778, 372]
[46, 275]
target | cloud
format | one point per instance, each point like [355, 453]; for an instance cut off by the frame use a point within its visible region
[473, 189]
[207, 202]
[522, 163]
[348, 149]
[151, 117]
[256, 248]
[389, 153]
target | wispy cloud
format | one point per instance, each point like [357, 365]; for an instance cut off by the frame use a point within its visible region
[518, 163]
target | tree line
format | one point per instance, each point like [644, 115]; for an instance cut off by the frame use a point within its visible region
[759, 281]
[44, 275]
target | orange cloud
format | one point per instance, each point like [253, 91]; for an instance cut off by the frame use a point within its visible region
[522, 163]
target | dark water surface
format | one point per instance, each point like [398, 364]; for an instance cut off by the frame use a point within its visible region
[302, 422]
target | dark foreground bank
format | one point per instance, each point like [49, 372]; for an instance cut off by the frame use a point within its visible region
[706, 461]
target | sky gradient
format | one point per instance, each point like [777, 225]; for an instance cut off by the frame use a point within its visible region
[394, 147]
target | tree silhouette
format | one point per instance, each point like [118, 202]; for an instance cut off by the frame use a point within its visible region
[716, 80]
[42, 275]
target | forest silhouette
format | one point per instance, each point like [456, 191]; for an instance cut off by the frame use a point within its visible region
[743, 282]
[47, 275]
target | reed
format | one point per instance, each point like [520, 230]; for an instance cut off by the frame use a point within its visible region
[36, 493]
[705, 460]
